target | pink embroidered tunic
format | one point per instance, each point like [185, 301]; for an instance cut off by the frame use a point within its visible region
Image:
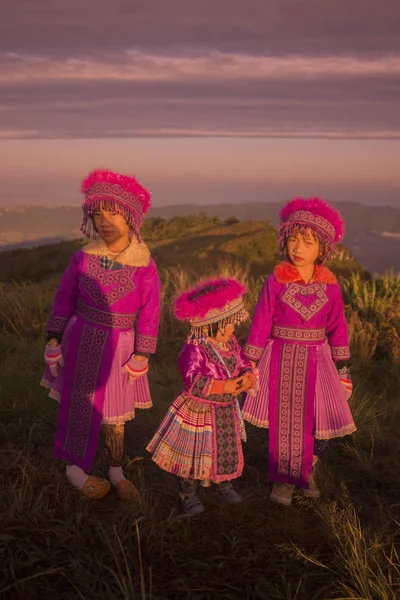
[297, 332]
[103, 316]
[200, 436]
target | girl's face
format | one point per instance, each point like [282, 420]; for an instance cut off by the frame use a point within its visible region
[110, 226]
[225, 334]
[303, 248]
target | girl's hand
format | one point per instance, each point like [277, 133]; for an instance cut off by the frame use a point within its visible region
[345, 378]
[136, 367]
[53, 357]
[348, 385]
[233, 386]
[249, 381]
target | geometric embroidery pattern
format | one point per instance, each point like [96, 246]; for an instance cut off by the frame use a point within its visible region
[88, 362]
[198, 387]
[340, 352]
[229, 359]
[56, 324]
[104, 318]
[252, 352]
[119, 282]
[295, 295]
[115, 191]
[226, 442]
[310, 219]
[291, 409]
[145, 343]
[298, 334]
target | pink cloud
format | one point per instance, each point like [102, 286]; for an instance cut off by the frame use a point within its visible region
[138, 66]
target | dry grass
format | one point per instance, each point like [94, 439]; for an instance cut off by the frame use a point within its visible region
[53, 543]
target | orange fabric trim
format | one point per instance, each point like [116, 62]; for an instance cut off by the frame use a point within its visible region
[285, 272]
[217, 387]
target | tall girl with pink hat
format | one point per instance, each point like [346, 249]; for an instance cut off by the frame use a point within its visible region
[299, 341]
[101, 331]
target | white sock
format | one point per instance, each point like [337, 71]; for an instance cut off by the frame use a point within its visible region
[76, 476]
[116, 474]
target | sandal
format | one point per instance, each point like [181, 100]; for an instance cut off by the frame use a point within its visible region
[282, 493]
[127, 491]
[95, 488]
[313, 490]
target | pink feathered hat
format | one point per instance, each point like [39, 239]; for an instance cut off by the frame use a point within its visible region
[212, 301]
[114, 192]
[316, 214]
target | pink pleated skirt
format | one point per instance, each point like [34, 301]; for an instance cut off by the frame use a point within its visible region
[332, 418]
[121, 397]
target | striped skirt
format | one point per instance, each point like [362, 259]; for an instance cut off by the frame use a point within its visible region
[199, 439]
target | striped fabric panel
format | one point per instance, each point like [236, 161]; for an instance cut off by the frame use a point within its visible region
[332, 412]
[256, 408]
[183, 443]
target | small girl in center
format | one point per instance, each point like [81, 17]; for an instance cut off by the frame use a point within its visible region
[200, 437]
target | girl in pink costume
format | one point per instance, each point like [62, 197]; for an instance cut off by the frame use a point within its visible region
[298, 334]
[199, 439]
[102, 328]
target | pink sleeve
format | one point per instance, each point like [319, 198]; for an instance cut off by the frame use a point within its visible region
[243, 362]
[65, 298]
[191, 365]
[336, 327]
[191, 362]
[149, 312]
[261, 325]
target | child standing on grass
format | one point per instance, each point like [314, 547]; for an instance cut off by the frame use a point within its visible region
[298, 335]
[102, 328]
[200, 437]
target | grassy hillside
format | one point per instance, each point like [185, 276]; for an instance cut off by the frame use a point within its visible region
[372, 232]
[53, 543]
[191, 242]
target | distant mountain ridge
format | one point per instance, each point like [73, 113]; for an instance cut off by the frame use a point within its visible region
[372, 232]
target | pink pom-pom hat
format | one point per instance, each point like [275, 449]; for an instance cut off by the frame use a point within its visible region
[212, 301]
[316, 214]
[118, 193]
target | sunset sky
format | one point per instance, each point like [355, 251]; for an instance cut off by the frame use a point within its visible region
[204, 100]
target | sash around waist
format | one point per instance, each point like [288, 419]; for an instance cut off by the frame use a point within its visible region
[298, 334]
[103, 317]
[214, 399]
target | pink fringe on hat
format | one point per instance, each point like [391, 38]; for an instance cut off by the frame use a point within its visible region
[209, 295]
[112, 191]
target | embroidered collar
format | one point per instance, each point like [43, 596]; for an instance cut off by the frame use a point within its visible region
[135, 255]
[285, 272]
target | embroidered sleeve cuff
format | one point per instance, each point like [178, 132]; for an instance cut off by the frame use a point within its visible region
[56, 324]
[145, 343]
[252, 352]
[201, 386]
[340, 353]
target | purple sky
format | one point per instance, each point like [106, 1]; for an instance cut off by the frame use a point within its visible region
[223, 99]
